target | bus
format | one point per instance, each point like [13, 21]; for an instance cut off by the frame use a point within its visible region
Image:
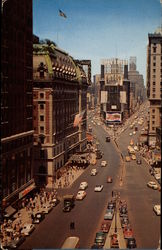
[71, 243]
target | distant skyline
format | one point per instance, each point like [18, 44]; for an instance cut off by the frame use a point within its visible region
[99, 29]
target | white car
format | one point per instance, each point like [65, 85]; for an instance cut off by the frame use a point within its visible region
[83, 185]
[136, 148]
[130, 134]
[98, 188]
[157, 209]
[134, 132]
[27, 229]
[81, 195]
[93, 171]
[152, 185]
[103, 163]
[157, 176]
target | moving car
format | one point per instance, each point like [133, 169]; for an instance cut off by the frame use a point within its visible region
[131, 243]
[111, 205]
[69, 202]
[93, 171]
[136, 148]
[107, 138]
[127, 159]
[83, 185]
[109, 214]
[134, 132]
[38, 218]
[98, 188]
[100, 238]
[124, 221]
[130, 134]
[103, 163]
[105, 226]
[157, 209]
[139, 162]
[27, 229]
[152, 185]
[133, 157]
[109, 179]
[81, 195]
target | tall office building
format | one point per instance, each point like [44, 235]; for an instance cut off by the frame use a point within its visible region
[16, 100]
[154, 83]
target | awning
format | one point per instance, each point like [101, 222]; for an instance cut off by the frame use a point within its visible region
[9, 211]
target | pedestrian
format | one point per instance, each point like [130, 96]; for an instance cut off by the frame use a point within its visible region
[112, 193]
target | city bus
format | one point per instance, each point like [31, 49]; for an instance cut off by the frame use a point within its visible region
[71, 243]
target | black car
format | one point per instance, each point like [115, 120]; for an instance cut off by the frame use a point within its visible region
[124, 221]
[107, 138]
[67, 208]
[123, 211]
[100, 238]
[131, 243]
[111, 205]
[14, 244]
[139, 162]
[96, 246]
[38, 218]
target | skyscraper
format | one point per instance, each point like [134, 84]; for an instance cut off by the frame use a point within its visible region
[16, 96]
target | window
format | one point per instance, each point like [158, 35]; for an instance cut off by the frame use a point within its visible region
[41, 118]
[154, 64]
[41, 95]
[153, 110]
[154, 70]
[41, 106]
[154, 83]
[42, 153]
[153, 128]
[153, 90]
[41, 129]
[153, 95]
[154, 49]
[153, 122]
[153, 116]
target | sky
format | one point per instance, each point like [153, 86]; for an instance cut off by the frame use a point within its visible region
[99, 29]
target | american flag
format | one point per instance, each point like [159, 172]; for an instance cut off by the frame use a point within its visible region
[62, 14]
[78, 119]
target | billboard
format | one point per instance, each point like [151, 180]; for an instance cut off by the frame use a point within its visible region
[104, 97]
[113, 117]
[123, 97]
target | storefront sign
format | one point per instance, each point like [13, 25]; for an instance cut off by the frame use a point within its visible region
[26, 191]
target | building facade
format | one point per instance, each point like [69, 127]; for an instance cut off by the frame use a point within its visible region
[60, 92]
[154, 84]
[16, 101]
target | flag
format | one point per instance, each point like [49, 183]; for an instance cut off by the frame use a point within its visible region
[62, 14]
[78, 119]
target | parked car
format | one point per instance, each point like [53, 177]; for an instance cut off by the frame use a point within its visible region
[96, 246]
[98, 188]
[54, 202]
[27, 229]
[128, 232]
[14, 244]
[38, 218]
[123, 211]
[131, 243]
[136, 148]
[81, 195]
[93, 171]
[124, 221]
[152, 185]
[46, 209]
[131, 142]
[109, 179]
[157, 209]
[111, 205]
[103, 163]
[83, 185]
[109, 214]
[105, 226]
[114, 243]
[100, 238]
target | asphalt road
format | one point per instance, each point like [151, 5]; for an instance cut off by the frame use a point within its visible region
[87, 214]
[141, 199]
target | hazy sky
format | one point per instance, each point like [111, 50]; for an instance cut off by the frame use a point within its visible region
[98, 29]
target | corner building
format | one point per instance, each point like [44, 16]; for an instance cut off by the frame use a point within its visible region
[16, 101]
[154, 84]
[59, 93]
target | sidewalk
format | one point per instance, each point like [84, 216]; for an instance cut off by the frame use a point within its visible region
[120, 236]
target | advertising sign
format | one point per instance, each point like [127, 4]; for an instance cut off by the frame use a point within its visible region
[103, 96]
[123, 97]
[113, 117]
